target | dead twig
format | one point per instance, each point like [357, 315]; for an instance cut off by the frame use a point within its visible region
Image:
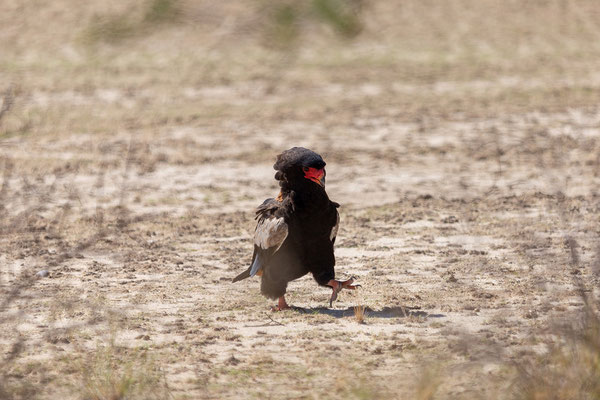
[271, 323]
[275, 322]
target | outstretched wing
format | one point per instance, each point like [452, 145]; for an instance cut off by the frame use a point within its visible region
[271, 231]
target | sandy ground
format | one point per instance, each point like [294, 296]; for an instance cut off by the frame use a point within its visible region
[456, 233]
[469, 214]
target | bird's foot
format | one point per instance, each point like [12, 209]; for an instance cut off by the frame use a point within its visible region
[281, 305]
[337, 286]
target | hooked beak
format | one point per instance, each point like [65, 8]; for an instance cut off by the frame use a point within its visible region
[316, 175]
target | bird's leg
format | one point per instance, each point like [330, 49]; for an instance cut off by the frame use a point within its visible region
[281, 305]
[337, 286]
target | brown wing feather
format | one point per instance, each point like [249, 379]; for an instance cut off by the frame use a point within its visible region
[271, 231]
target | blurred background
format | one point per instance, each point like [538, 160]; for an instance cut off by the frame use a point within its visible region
[199, 83]
[195, 83]
[136, 137]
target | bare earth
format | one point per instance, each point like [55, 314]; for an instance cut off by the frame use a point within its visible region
[136, 191]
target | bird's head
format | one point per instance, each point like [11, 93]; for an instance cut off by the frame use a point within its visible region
[299, 166]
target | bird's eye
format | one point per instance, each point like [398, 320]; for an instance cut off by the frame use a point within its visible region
[305, 169]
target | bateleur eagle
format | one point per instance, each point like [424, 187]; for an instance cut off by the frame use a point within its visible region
[295, 231]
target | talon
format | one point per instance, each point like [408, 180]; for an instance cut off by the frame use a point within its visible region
[337, 286]
[334, 296]
[350, 283]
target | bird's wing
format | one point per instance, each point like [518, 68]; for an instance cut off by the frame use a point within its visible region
[334, 230]
[271, 231]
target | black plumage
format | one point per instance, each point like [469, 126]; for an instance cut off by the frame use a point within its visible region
[296, 231]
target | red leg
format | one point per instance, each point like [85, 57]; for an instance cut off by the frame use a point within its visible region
[281, 305]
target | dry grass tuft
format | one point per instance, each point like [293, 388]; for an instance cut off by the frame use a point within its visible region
[571, 367]
[428, 384]
[112, 373]
[359, 387]
[360, 314]
[570, 370]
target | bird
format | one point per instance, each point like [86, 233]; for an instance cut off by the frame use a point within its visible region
[296, 231]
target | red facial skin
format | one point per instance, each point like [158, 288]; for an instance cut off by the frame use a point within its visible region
[315, 175]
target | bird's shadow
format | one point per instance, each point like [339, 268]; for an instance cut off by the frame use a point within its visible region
[385, 312]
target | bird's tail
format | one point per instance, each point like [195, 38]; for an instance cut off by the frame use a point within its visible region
[243, 275]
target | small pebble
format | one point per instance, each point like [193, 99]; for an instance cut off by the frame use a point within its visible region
[42, 274]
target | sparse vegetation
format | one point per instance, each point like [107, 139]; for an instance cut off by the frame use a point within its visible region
[343, 16]
[429, 382]
[570, 369]
[112, 373]
[113, 28]
[462, 141]
[161, 11]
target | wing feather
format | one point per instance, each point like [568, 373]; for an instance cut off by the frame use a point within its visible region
[271, 231]
[334, 230]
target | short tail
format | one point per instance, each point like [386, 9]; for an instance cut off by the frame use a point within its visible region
[243, 275]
